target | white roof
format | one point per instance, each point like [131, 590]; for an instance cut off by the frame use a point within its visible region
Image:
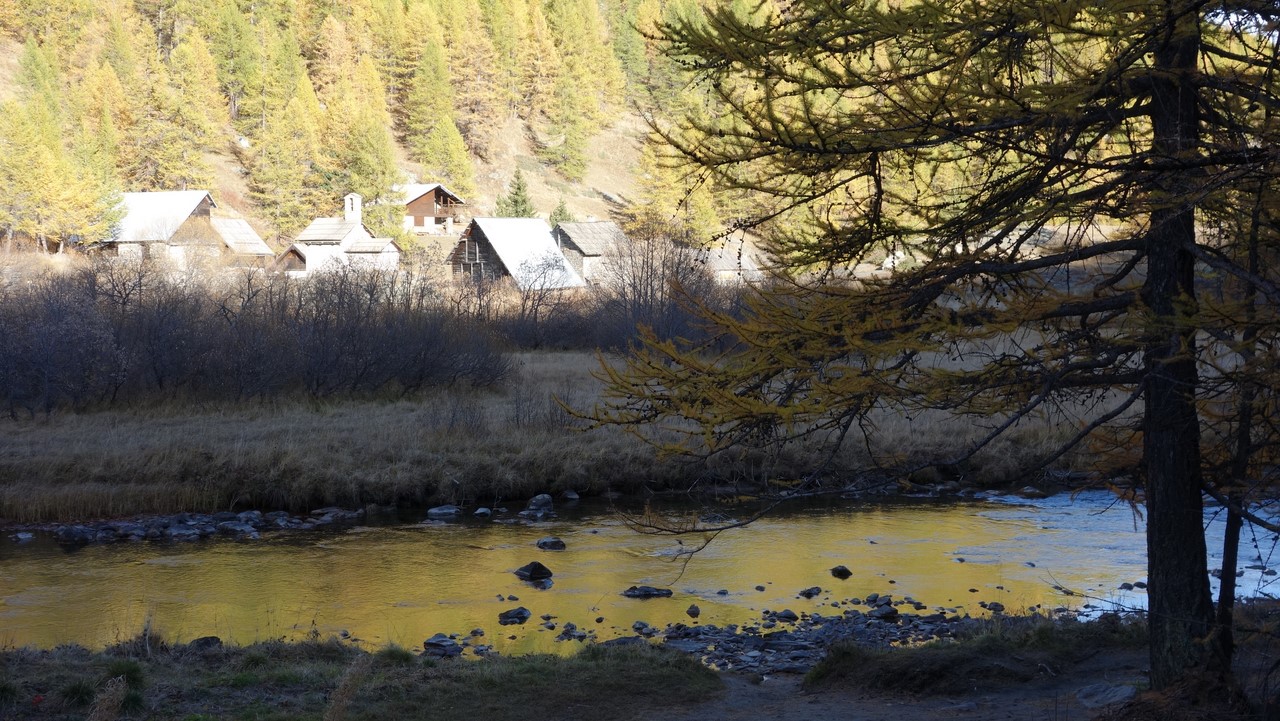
[529, 253]
[156, 216]
[240, 237]
[412, 191]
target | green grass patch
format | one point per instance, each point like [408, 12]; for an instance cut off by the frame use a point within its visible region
[310, 680]
[78, 693]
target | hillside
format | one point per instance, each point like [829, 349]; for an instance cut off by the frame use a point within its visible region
[283, 108]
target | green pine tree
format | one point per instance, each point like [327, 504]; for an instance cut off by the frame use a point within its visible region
[561, 214]
[516, 203]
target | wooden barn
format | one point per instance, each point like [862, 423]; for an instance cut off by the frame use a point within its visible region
[522, 249]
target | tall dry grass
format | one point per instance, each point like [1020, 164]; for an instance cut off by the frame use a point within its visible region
[459, 444]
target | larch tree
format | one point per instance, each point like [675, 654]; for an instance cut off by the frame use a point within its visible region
[200, 103]
[286, 178]
[477, 98]
[444, 158]
[993, 139]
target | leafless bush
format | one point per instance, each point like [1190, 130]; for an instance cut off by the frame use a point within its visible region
[119, 331]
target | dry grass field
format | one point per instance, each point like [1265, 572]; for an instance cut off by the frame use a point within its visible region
[449, 445]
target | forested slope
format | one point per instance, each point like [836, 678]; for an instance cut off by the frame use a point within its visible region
[284, 106]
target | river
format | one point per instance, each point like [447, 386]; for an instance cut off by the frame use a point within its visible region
[393, 581]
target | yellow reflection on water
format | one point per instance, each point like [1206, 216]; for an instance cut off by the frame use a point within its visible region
[401, 584]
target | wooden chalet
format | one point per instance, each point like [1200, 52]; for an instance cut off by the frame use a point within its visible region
[522, 249]
[429, 208]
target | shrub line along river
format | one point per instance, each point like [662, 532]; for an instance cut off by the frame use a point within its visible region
[395, 582]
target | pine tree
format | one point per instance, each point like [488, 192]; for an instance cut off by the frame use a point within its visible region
[561, 214]
[516, 203]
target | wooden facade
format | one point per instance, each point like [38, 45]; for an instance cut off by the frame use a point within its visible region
[430, 208]
[474, 258]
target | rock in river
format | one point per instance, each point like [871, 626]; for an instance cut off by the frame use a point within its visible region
[647, 592]
[841, 572]
[811, 592]
[551, 543]
[444, 513]
[514, 617]
[533, 572]
[442, 646]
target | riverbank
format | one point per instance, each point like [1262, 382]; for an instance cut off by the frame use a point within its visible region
[1014, 668]
[460, 445]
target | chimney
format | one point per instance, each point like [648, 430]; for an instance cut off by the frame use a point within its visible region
[351, 208]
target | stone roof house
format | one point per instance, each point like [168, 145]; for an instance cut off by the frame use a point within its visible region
[183, 227]
[589, 246]
[341, 241]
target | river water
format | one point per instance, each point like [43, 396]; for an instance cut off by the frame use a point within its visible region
[402, 582]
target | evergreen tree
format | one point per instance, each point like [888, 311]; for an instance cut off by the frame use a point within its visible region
[516, 203]
[429, 99]
[561, 214]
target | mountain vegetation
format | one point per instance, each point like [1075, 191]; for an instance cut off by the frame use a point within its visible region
[309, 99]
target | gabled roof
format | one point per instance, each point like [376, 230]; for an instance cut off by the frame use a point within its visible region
[156, 216]
[240, 237]
[529, 253]
[328, 230]
[371, 245]
[412, 191]
[593, 238]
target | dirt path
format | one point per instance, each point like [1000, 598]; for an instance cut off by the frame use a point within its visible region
[1046, 698]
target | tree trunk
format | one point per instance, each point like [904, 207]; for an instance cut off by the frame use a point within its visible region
[1180, 612]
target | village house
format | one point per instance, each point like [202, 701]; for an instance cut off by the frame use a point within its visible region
[730, 263]
[589, 246]
[327, 242]
[184, 227]
[429, 208]
[522, 249]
